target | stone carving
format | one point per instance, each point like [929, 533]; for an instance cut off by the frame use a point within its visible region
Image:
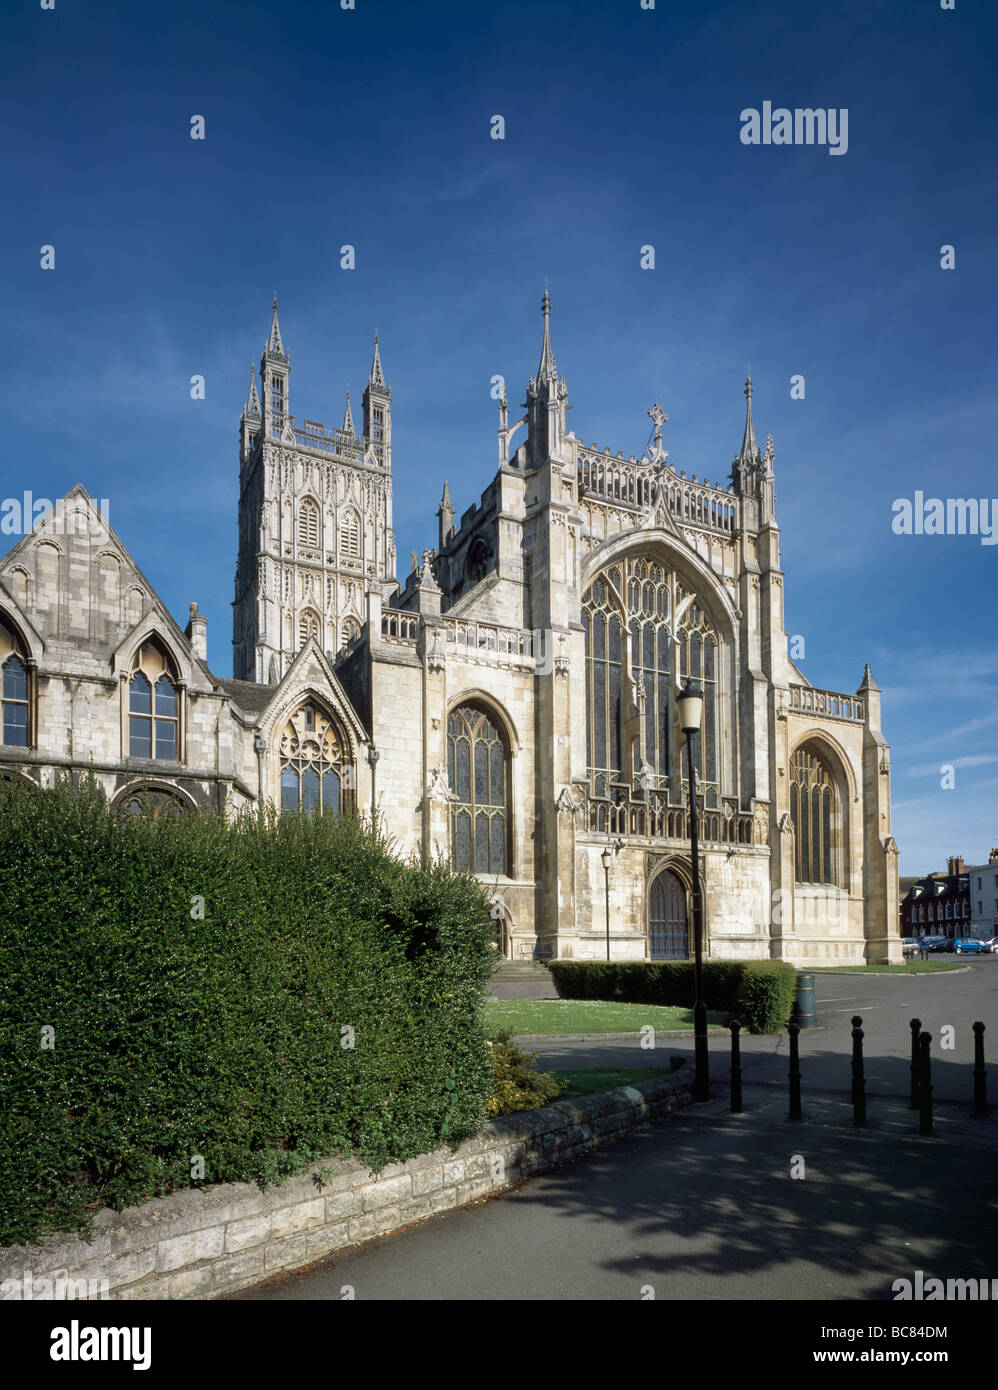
[569, 803]
[437, 788]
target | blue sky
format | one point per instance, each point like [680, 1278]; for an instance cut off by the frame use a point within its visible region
[372, 127]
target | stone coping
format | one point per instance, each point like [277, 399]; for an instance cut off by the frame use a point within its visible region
[206, 1243]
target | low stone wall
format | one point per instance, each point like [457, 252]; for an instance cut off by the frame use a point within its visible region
[202, 1244]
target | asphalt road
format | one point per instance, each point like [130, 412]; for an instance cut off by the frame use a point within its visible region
[886, 1005]
[703, 1205]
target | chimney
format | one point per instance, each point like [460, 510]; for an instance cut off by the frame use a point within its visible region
[197, 633]
[993, 857]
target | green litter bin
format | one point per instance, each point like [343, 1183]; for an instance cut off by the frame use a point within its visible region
[806, 1013]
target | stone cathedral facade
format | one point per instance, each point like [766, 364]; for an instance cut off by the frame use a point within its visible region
[511, 706]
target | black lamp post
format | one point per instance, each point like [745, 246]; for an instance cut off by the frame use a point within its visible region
[605, 858]
[690, 703]
[372, 757]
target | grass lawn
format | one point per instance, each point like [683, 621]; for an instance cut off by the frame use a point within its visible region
[586, 1016]
[587, 1080]
[910, 967]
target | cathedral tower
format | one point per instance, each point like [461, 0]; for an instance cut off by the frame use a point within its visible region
[315, 520]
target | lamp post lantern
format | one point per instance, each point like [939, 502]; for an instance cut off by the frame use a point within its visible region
[690, 703]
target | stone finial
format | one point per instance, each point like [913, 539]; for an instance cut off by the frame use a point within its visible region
[750, 449]
[377, 376]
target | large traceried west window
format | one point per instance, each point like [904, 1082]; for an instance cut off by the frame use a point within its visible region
[813, 804]
[629, 616]
[153, 707]
[478, 775]
[316, 768]
[698, 657]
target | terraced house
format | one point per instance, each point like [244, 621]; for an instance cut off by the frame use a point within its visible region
[512, 705]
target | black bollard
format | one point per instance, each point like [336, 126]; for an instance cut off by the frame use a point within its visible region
[924, 1085]
[793, 1030]
[736, 1066]
[980, 1086]
[858, 1084]
[916, 1027]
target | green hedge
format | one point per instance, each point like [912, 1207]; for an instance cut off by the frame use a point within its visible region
[760, 993]
[225, 1038]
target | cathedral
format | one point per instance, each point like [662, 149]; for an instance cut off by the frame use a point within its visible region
[510, 707]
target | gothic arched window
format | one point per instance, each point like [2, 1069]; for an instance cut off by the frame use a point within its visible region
[698, 657]
[478, 561]
[813, 803]
[152, 802]
[350, 535]
[308, 525]
[308, 626]
[316, 769]
[153, 707]
[14, 688]
[629, 615]
[478, 774]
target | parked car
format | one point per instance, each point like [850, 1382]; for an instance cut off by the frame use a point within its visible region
[909, 946]
[991, 944]
[933, 943]
[960, 944]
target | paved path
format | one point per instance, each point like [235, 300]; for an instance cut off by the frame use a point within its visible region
[703, 1206]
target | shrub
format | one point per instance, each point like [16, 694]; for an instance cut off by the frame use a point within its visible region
[329, 1002]
[759, 993]
[518, 1084]
[766, 996]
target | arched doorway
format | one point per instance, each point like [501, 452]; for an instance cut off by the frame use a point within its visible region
[668, 927]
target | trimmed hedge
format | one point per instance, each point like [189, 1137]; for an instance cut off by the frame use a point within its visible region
[760, 993]
[229, 1038]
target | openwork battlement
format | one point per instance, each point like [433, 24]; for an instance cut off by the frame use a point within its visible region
[656, 819]
[505, 646]
[633, 483]
[829, 703]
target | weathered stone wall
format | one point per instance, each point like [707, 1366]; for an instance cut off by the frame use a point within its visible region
[207, 1244]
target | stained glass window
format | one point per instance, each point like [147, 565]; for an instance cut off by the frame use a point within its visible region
[477, 765]
[153, 708]
[15, 701]
[315, 764]
[812, 798]
[628, 615]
